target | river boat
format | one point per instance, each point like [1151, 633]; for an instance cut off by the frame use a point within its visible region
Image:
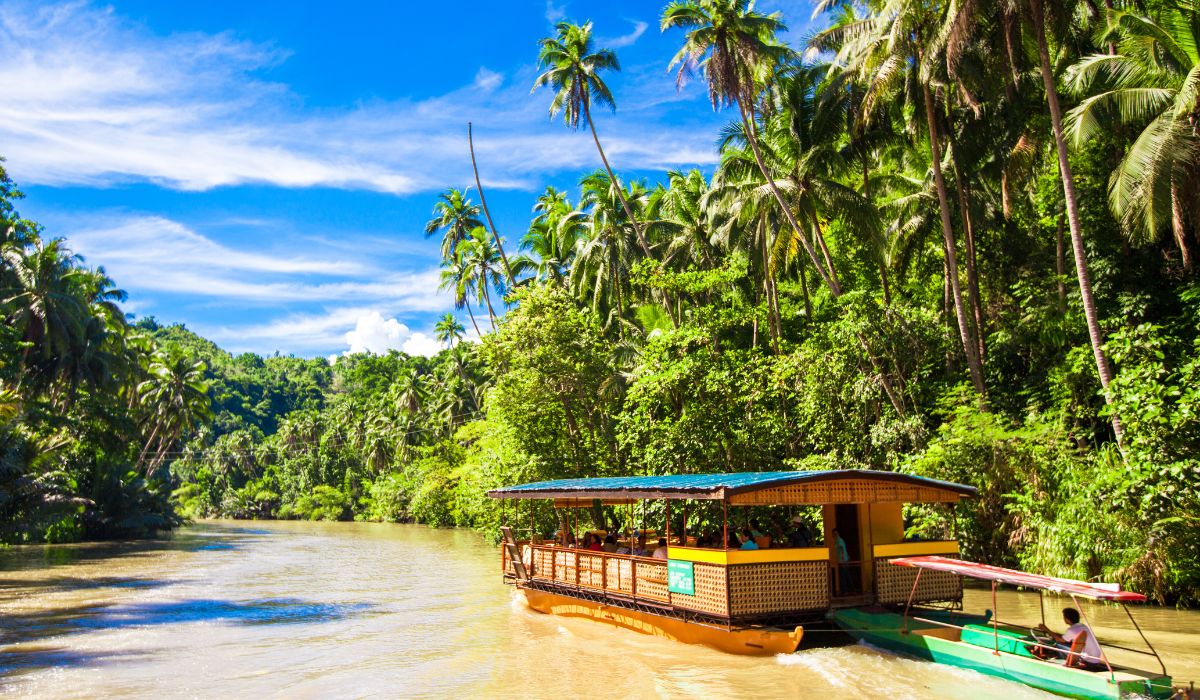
[740, 601]
[984, 643]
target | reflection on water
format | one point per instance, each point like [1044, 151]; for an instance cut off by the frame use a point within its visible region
[354, 609]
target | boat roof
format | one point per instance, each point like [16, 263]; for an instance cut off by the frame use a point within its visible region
[711, 486]
[983, 572]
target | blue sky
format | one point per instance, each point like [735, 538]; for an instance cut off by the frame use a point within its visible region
[262, 171]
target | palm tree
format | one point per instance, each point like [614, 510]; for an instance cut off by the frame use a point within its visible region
[456, 276]
[605, 257]
[551, 239]
[455, 216]
[176, 399]
[482, 262]
[1150, 79]
[448, 330]
[573, 69]
[1038, 17]
[487, 212]
[881, 49]
[735, 47]
[45, 306]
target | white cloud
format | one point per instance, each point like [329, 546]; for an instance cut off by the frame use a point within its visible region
[617, 42]
[555, 13]
[488, 80]
[376, 334]
[93, 99]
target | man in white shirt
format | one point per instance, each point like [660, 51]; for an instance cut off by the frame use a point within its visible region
[661, 551]
[1078, 641]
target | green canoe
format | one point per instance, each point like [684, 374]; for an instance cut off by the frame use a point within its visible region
[968, 641]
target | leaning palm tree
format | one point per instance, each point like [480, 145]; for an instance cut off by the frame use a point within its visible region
[448, 330]
[175, 398]
[735, 48]
[573, 69]
[454, 215]
[1153, 78]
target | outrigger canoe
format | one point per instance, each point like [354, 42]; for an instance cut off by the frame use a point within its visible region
[985, 644]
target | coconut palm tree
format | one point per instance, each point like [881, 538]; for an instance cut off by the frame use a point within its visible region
[883, 49]
[448, 330]
[1152, 78]
[455, 216]
[482, 262]
[735, 47]
[456, 277]
[176, 400]
[551, 239]
[572, 68]
[605, 255]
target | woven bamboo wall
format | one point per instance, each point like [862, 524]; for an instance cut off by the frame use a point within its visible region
[795, 586]
[652, 580]
[893, 585]
[619, 578]
[711, 591]
[844, 491]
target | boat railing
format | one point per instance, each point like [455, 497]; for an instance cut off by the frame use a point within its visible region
[640, 578]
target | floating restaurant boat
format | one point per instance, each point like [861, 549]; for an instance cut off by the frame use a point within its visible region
[984, 643]
[739, 601]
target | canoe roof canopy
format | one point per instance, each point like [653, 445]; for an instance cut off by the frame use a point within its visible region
[711, 486]
[984, 572]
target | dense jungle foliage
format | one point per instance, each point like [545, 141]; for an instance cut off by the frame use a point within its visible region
[950, 239]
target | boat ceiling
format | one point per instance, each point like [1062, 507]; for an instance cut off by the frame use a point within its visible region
[983, 572]
[713, 486]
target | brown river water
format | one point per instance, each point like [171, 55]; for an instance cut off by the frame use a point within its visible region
[317, 610]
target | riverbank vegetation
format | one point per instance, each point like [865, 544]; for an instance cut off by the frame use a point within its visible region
[955, 240]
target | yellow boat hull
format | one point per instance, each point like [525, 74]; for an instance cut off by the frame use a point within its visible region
[752, 642]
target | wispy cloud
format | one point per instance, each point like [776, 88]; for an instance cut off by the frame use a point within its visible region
[555, 13]
[617, 42]
[155, 254]
[93, 99]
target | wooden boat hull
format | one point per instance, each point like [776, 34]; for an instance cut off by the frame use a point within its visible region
[884, 629]
[751, 641]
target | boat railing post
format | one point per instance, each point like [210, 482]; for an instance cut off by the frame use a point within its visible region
[1112, 676]
[995, 621]
[1150, 646]
[911, 595]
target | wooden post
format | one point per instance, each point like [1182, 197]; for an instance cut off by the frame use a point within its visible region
[668, 505]
[725, 522]
[995, 621]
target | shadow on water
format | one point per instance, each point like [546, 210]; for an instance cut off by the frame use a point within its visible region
[191, 540]
[32, 657]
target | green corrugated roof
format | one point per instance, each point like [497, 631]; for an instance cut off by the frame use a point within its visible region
[705, 485]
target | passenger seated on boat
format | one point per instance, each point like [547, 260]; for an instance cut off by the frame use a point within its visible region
[746, 540]
[610, 544]
[756, 529]
[593, 543]
[639, 549]
[799, 535]
[1078, 643]
[661, 551]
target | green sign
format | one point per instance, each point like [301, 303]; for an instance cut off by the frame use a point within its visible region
[681, 577]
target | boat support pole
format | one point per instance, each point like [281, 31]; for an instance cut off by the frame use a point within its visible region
[1112, 676]
[1147, 641]
[912, 594]
[995, 621]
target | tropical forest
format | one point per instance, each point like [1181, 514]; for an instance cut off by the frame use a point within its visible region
[953, 239]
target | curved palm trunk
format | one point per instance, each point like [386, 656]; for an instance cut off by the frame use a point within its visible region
[472, 315]
[487, 299]
[973, 297]
[970, 348]
[487, 212]
[637, 228]
[1072, 202]
[747, 114]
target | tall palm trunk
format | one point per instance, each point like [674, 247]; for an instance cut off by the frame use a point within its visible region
[970, 348]
[472, 315]
[1060, 263]
[487, 299]
[1072, 202]
[486, 212]
[964, 206]
[637, 228]
[747, 112]
[820, 236]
